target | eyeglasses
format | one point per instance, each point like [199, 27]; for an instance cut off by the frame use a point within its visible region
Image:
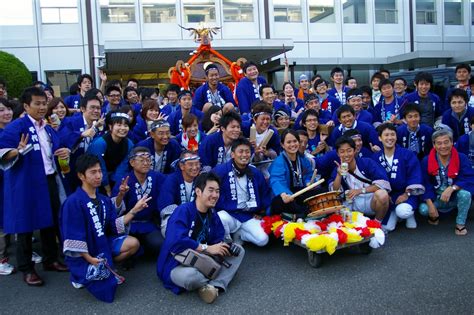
[143, 160]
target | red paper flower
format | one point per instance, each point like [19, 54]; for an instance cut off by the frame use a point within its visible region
[365, 232]
[299, 233]
[373, 224]
[342, 236]
[277, 232]
[322, 226]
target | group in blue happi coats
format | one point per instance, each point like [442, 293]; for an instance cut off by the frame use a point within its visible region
[109, 182]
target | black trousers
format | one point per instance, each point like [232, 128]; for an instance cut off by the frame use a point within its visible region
[49, 246]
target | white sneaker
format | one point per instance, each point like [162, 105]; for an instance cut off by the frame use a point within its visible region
[411, 222]
[36, 258]
[77, 285]
[5, 268]
[208, 293]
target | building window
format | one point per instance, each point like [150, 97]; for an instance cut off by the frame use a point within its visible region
[287, 11]
[159, 11]
[19, 14]
[354, 11]
[196, 11]
[238, 10]
[386, 12]
[425, 11]
[59, 11]
[62, 78]
[321, 11]
[453, 12]
[117, 11]
[472, 12]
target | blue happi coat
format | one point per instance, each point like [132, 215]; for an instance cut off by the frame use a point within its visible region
[257, 186]
[363, 116]
[383, 112]
[404, 174]
[329, 103]
[73, 101]
[89, 229]
[27, 206]
[434, 99]
[176, 118]
[212, 150]
[459, 125]
[423, 134]
[175, 192]
[340, 97]
[325, 163]
[171, 153]
[368, 133]
[203, 96]
[369, 170]
[178, 238]
[140, 131]
[143, 221]
[70, 133]
[464, 178]
[247, 93]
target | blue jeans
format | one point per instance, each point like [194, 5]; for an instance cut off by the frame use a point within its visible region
[460, 200]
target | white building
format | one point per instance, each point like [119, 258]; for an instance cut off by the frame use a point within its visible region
[58, 39]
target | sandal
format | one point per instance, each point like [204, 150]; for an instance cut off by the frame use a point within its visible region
[460, 231]
[433, 220]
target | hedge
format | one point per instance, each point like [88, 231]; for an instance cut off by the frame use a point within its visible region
[15, 73]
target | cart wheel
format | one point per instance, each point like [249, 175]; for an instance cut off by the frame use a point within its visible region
[314, 259]
[365, 249]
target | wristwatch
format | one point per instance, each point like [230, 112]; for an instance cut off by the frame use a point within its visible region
[454, 187]
[364, 191]
[204, 247]
[408, 194]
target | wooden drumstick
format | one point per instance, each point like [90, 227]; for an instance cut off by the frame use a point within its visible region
[302, 191]
[315, 172]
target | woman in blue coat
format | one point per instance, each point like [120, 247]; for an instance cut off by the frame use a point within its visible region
[289, 173]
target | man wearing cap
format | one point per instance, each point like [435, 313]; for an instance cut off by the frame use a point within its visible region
[354, 100]
[213, 92]
[303, 89]
[141, 181]
[179, 186]
[247, 90]
[185, 100]
[164, 150]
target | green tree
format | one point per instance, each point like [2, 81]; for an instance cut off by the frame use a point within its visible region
[15, 73]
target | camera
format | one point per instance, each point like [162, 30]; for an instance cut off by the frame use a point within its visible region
[234, 250]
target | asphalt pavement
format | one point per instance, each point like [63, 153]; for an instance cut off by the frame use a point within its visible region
[428, 270]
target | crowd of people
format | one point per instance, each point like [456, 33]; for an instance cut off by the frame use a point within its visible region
[111, 174]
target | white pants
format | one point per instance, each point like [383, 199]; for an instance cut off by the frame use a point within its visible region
[361, 203]
[251, 230]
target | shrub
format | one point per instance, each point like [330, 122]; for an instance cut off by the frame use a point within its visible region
[15, 73]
